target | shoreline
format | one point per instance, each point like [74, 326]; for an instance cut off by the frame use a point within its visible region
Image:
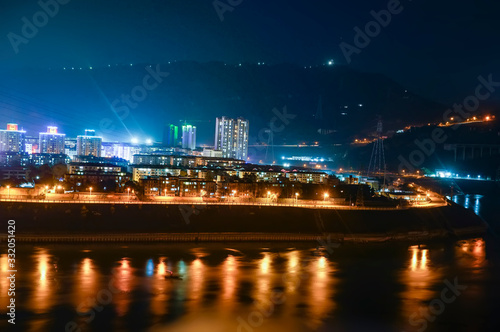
[410, 237]
[360, 238]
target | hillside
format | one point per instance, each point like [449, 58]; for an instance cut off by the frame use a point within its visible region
[323, 97]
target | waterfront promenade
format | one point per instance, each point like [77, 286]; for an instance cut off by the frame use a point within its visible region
[309, 204]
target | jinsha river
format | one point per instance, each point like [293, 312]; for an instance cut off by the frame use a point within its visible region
[264, 287]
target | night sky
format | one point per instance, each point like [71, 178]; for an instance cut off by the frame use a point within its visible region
[437, 49]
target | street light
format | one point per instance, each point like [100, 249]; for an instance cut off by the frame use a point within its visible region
[296, 197]
[8, 191]
[128, 193]
[90, 188]
[325, 196]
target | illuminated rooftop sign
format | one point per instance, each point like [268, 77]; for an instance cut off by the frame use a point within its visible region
[11, 127]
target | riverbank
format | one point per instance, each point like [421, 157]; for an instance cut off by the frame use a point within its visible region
[77, 222]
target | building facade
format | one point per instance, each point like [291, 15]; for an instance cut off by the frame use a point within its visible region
[104, 176]
[51, 141]
[120, 150]
[31, 145]
[12, 139]
[70, 147]
[89, 144]
[171, 136]
[188, 137]
[231, 137]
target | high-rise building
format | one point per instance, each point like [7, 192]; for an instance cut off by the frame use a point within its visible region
[231, 137]
[51, 141]
[12, 139]
[171, 136]
[31, 144]
[70, 147]
[89, 144]
[188, 137]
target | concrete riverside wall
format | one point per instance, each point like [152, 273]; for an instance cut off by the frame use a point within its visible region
[201, 222]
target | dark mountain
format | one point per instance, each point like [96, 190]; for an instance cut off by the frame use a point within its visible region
[330, 103]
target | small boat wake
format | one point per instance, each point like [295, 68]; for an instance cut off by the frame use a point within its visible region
[171, 275]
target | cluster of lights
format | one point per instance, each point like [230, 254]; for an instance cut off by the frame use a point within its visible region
[135, 140]
[473, 119]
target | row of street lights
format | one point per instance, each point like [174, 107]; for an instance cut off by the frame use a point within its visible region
[128, 193]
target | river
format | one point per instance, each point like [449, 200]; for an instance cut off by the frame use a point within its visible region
[244, 287]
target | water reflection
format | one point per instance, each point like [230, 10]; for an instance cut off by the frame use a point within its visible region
[160, 289]
[196, 283]
[419, 278]
[123, 281]
[220, 285]
[44, 279]
[469, 202]
[4, 282]
[472, 254]
[85, 285]
[263, 278]
[230, 275]
[321, 289]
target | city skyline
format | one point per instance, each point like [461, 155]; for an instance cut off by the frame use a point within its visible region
[52, 141]
[249, 166]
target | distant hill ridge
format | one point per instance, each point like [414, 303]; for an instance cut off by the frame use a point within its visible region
[329, 103]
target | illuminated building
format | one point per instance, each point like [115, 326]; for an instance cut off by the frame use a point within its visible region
[51, 141]
[12, 139]
[188, 137]
[141, 172]
[231, 137]
[13, 159]
[211, 153]
[70, 147]
[89, 144]
[31, 145]
[120, 150]
[171, 136]
[51, 159]
[80, 175]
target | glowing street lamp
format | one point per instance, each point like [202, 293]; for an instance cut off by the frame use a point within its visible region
[325, 196]
[8, 191]
[296, 197]
[128, 193]
[90, 188]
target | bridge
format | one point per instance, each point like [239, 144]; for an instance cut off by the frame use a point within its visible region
[472, 151]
